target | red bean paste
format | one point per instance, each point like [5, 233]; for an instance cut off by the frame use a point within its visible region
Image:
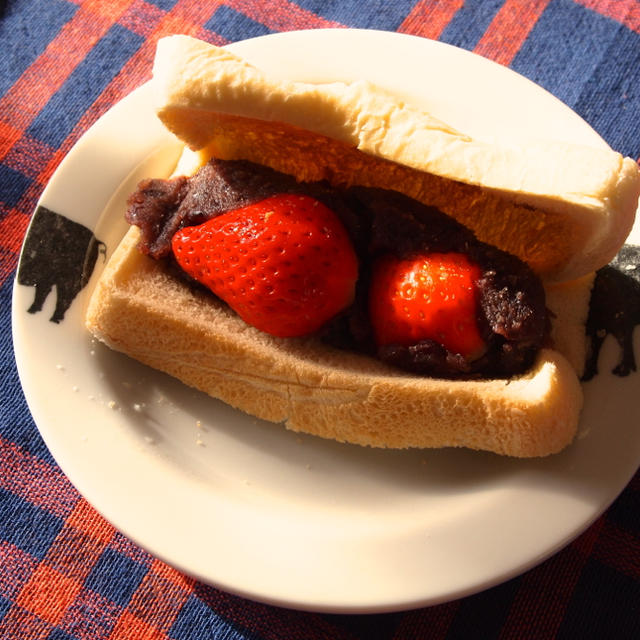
[512, 316]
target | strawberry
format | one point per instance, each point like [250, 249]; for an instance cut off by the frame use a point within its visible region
[285, 265]
[428, 297]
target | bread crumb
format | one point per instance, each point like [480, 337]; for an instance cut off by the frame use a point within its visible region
[583, 433]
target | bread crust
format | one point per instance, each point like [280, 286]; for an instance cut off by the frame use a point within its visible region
[139, 309]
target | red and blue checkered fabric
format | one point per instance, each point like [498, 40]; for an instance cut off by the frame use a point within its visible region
[65, 573]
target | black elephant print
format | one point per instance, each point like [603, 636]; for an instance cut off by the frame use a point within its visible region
[57, 252]
[615, 310]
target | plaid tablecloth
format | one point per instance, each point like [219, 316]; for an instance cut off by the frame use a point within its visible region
[66, 573]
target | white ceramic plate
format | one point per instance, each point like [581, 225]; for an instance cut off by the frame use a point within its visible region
[268, 514]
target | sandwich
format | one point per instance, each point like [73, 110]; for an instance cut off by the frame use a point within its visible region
[328, 257]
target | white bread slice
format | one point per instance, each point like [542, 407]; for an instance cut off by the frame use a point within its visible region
[568, 303]
[139, 309]
[564, 209]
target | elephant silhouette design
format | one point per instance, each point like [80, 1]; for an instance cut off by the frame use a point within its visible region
[57, 252]
[615, 310]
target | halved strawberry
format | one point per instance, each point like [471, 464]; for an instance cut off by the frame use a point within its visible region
[428, 297]
[285, 265]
